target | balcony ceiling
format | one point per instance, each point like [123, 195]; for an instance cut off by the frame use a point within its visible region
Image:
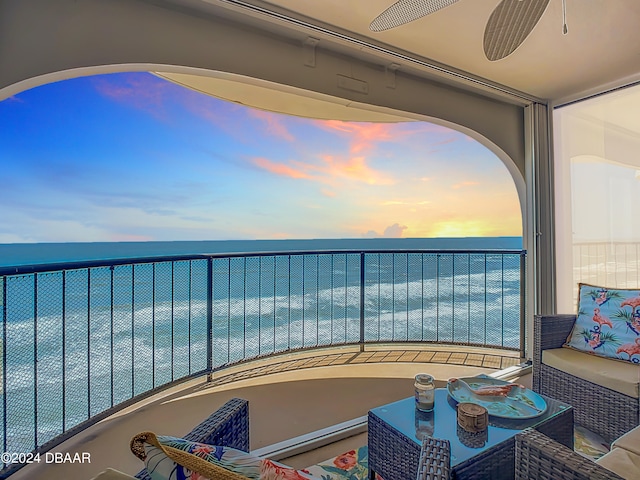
[601, 48]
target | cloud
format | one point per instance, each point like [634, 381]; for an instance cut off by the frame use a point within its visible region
[328, 193]
[331, 168]
[363, 136]
[392, 231]
[355, 168]
[280, 168]
[274, 124]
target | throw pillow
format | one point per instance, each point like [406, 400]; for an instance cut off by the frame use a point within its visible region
[171, 458]
[608, 323]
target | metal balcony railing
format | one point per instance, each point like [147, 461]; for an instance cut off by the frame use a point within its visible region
[614, 264]
[610, 264]
[82, 340]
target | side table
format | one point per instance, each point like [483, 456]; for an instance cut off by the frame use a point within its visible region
[394, 442]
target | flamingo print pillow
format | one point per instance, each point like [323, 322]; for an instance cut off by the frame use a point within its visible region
[608, 323]
[171, 458]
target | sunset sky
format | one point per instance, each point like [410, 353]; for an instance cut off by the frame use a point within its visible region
[132, 157]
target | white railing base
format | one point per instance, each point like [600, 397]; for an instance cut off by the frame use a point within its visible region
[320, 438]
[313, 440]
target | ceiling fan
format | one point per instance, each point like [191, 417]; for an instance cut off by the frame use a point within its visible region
[509, 25]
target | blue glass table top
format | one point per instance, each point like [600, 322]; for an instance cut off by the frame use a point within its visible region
[442, 423]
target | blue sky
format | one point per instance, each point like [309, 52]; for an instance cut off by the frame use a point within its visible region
[132, 157]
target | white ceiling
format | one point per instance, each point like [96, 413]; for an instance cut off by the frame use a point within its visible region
[602, 47]
[601, 51]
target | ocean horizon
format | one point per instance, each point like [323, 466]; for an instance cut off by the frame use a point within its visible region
[18, 254]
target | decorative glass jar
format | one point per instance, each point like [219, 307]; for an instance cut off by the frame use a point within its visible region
[425, 391]
[424, 424]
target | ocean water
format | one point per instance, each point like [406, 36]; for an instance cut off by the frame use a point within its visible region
[81, 355]
[40, 253]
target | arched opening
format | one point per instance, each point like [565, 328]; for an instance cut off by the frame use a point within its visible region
[132, 157]
[383, 161]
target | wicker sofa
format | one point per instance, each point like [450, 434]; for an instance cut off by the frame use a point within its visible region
[604, 393]
[540, 457]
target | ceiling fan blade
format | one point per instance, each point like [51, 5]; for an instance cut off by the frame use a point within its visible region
[405, 11]
[510, 24]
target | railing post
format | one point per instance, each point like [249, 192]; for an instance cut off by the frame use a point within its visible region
[3, 345]
[35, 360]
[523, 303]
[210, 319]
[362, 301]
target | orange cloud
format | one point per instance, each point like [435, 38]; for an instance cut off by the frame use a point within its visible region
[355, 168]
[274, 124]
[363, 135]
[392, 231]
[279, 168]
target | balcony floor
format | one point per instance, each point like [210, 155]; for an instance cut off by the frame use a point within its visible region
[289, 395]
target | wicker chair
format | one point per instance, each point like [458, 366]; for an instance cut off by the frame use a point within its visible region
[606, 412]
[228, 426]
[540, 457]
[435, 460]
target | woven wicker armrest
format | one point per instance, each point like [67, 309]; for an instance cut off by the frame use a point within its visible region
[227, 426]
[435, 460]
[540, 457]
[551, 331]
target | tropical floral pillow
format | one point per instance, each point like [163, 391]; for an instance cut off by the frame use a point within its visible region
[352, 465]
[608, 323]
[171, 458]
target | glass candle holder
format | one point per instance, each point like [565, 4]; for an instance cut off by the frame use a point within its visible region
[425, 390]
[424, 423]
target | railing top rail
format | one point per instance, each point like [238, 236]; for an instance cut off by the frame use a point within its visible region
[112, 262]
[79, 264]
